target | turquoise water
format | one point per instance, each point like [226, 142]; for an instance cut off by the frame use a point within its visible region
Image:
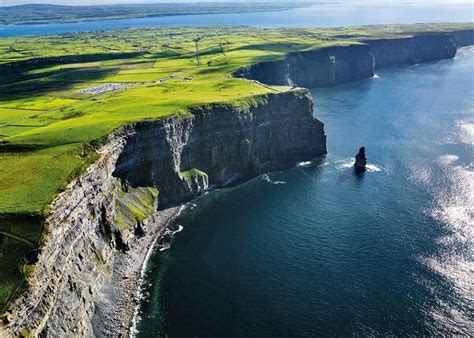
[322, 15]
[316, 250]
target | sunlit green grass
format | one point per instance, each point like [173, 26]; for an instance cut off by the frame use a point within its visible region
[48, 127]
[41, 78]
[32, 178]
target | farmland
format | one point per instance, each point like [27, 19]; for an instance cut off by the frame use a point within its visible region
[60, 96]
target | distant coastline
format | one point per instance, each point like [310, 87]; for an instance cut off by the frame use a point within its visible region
[37, 14]
[294, 15]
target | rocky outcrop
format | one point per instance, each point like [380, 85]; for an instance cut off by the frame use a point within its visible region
[360, 161]
[143, 167]
[340, 64]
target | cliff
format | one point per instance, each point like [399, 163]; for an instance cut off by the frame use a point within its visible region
[409, 51]
[464, 37]
[143, 167]
[340, 64]
[319, 68]
[154, 165]
[272, 133]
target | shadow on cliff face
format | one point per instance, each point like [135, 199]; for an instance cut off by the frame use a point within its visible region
[221, 144]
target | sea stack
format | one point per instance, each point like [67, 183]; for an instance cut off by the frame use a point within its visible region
[360, 161]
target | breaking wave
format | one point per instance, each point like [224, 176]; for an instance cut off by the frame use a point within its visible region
[267, 178]
[348, 163]
[304, 164]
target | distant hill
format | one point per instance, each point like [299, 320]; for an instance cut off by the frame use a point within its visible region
[42, 13]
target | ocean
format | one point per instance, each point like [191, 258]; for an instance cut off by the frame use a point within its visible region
[327, 14]
[319, 251]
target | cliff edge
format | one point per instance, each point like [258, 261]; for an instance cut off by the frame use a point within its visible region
[142, 168]
[330, 66]
[151, 166]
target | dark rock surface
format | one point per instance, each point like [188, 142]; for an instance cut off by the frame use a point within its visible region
[319, 68]
[224, 142]
[148, 165]
[412, 50]
[464, 37]
[340, 64]
[360, 161]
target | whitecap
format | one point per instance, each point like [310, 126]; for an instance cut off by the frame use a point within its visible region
[269, 180]
[376, 76]
[348, 163]
[372, 168]
[165, 247]
[182, 208]
[180, 228]
[344, 164]
[186, 206]
[304, 164]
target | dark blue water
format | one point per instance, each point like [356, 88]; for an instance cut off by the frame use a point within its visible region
[316, 250]
[322, 15]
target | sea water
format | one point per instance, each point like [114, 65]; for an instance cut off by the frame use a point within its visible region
[317, 250]
[325, 14]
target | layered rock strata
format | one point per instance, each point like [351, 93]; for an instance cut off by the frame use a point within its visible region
[142, 168]
[340, 64]
[154, 165]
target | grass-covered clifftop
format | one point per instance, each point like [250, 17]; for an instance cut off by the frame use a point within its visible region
[61, 95]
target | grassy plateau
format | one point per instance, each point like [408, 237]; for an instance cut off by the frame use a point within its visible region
[60, 95]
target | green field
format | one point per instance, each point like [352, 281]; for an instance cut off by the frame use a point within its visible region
[54, 110]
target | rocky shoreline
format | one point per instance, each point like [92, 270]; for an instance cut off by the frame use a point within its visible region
[103, 225]
[118, 298]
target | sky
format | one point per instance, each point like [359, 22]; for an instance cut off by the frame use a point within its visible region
[107, 2]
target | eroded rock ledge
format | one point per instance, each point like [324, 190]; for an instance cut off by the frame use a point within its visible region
[142, 168]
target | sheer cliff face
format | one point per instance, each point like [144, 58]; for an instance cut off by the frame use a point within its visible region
[320, 68]
[408, 51]
[464, 37]
[143, 167]
[152, 165]
[330, 66]
[335, 65]
[222, 144]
